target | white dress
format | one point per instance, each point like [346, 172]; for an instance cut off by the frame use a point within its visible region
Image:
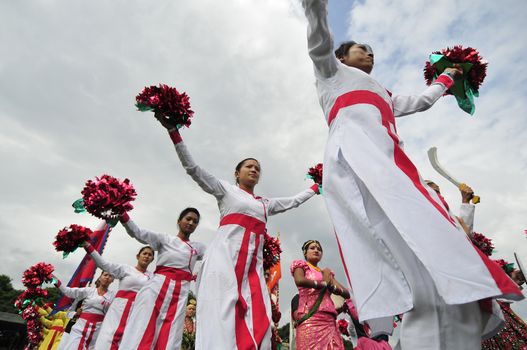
[399, 244]
[156, 320]
[233, 308]
[85, 331]
[131, 281]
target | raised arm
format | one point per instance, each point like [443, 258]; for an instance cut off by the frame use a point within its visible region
[206, 181]
[117, 270]
[144, 236]
[74, 293]
[319, 39]
[279, 205]
[404, 105]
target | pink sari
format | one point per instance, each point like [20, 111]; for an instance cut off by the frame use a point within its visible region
[319, 332]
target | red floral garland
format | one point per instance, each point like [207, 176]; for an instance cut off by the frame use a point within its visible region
[315, 173]
[343, 326]
[169, 102]
[33, 325]
[70, 238]
[271, 251]
[106, 197]
[37, 274]
[483, 243]
[458, 54]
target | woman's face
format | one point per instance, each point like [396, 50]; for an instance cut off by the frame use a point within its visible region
[188, 223]
[105, 280]
[249, 173]
[518, 277]
[314, 253]
[145, 257]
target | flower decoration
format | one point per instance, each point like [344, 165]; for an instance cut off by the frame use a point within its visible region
[107, 197]
[474, 73]
[271, 251]
[315, 173]
[483, 243]
[37, 274]
[167, 101]
[343, 326]
[70, 238]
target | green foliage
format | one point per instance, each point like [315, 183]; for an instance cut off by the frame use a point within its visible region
[283, 332]
[7, 295]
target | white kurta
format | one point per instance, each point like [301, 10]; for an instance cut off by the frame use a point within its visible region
[131, 281]
[85, 331]
[233, 310]
[156, 320]
[388, 223]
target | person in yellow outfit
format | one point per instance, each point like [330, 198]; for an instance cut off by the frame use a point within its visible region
[53, 327]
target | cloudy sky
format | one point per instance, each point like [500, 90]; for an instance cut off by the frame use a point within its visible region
[69, 72]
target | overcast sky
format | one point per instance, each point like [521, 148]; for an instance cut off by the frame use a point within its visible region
[69, 72]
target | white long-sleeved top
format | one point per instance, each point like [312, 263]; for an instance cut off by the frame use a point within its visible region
[92, 302]
[130, 278]
[172, 250]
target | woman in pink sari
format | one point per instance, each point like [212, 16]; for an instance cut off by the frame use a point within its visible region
[315, 318]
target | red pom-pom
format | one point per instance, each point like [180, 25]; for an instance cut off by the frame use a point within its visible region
[271, 251]
[107, 197]
[315, 173]
[167, 101]
[458, 54]
[70, 238]
[343, 326]
[37, 274]
[483, 243]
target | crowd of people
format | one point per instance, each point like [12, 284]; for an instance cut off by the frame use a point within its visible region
[406, 256]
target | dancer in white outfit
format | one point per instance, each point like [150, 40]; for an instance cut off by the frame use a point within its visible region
[233, 310]
[96, 301]
[159, 309]
[131, 280]
[402, 251]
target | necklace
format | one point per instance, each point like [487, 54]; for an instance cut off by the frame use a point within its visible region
[313, 266]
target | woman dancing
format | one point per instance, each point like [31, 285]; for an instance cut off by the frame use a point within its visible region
[159, 308]
[85, 331]
[131, 280]
[233, 310]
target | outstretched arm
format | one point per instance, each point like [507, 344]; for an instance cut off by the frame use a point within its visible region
[319, 39]
[117, 270]
[279, 205]
[74, 293]
[143, 236]
[404, 105]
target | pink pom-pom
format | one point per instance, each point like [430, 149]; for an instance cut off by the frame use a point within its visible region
[271, 251]
[107, 198]
[37, 274]
[315, 173]
[458, 54]
[70, 238]
[167, 101]
[343, 326]
[483, 243]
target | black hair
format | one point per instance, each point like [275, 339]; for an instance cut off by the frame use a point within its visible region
[344, 48]
[188, 210]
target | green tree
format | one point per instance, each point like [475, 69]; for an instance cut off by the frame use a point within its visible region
[8, 295]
